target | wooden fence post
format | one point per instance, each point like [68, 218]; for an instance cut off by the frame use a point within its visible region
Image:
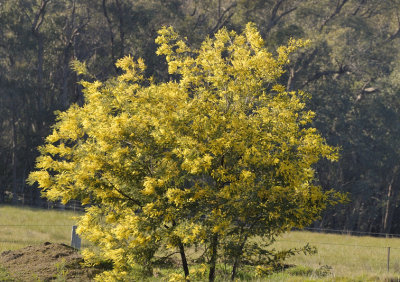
[75, 239]
[388, 259]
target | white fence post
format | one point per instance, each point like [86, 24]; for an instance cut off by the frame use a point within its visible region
[75, 239]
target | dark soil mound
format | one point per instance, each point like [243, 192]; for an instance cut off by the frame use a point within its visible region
[46, 262]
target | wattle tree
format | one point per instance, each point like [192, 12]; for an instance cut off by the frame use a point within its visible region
[219, 154]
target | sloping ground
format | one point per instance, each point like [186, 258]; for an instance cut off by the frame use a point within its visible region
[46, 262]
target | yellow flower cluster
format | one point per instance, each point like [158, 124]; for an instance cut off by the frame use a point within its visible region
[222, 150]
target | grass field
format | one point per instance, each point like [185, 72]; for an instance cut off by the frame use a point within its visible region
[347, 256]
[21, 227]
[339, 257]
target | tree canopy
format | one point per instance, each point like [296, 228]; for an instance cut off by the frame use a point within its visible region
[215, 156]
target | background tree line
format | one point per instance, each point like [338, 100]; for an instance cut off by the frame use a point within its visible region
[351, 68]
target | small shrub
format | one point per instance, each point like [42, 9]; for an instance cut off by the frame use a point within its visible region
[324, 271]
[300, 271]
[268, 261]
[61, 272]
[264, 270]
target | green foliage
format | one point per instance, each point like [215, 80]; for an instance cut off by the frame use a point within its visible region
[61, 272]
[257, 254]
[217, 156]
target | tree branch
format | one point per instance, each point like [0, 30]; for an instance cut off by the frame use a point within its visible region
[362, 3]
[341, 70]
[220, 21]
[305, 61]
[275, 18]
[121, 27]
[339, 6]
[109, 28]
[397, 33]
[136, 202]
[39, 17]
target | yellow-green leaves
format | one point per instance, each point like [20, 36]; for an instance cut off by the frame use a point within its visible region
[222, 150]
[132, 70]
[79, 67]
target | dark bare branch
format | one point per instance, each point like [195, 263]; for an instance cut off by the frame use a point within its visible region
[397, 33]
[39, 17]
[221, 17]
[338, 9]
[109, 23]
[275, 17]
[304, 61]
[194, 11]
[318, 75]
[121, 27]
[360, 5]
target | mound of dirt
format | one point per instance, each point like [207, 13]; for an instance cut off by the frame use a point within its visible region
[46, 262]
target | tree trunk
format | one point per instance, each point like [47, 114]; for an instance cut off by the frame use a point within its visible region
[237, 259]
[352, 216]
[2, 187]
[109, 23]
[38, 21]
[389, 207]
[290, 79]
[66, 60]
[14, 156]
[182, 253]
[213, 260]
[39, 38]
[121, 28]
[39, 82]
[183, 258]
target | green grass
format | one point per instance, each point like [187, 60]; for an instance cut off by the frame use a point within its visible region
[5, 275]
[21, 227]
[339, 258]
[348, 256]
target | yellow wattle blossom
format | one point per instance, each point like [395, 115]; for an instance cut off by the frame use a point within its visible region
[222, 153]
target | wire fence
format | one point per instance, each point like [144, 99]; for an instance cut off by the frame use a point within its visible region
[387, 249]
[352, 232]
[15, 236]
[376, 254]
[355, 252]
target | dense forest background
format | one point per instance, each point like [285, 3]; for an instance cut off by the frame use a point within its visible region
[351, 69]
